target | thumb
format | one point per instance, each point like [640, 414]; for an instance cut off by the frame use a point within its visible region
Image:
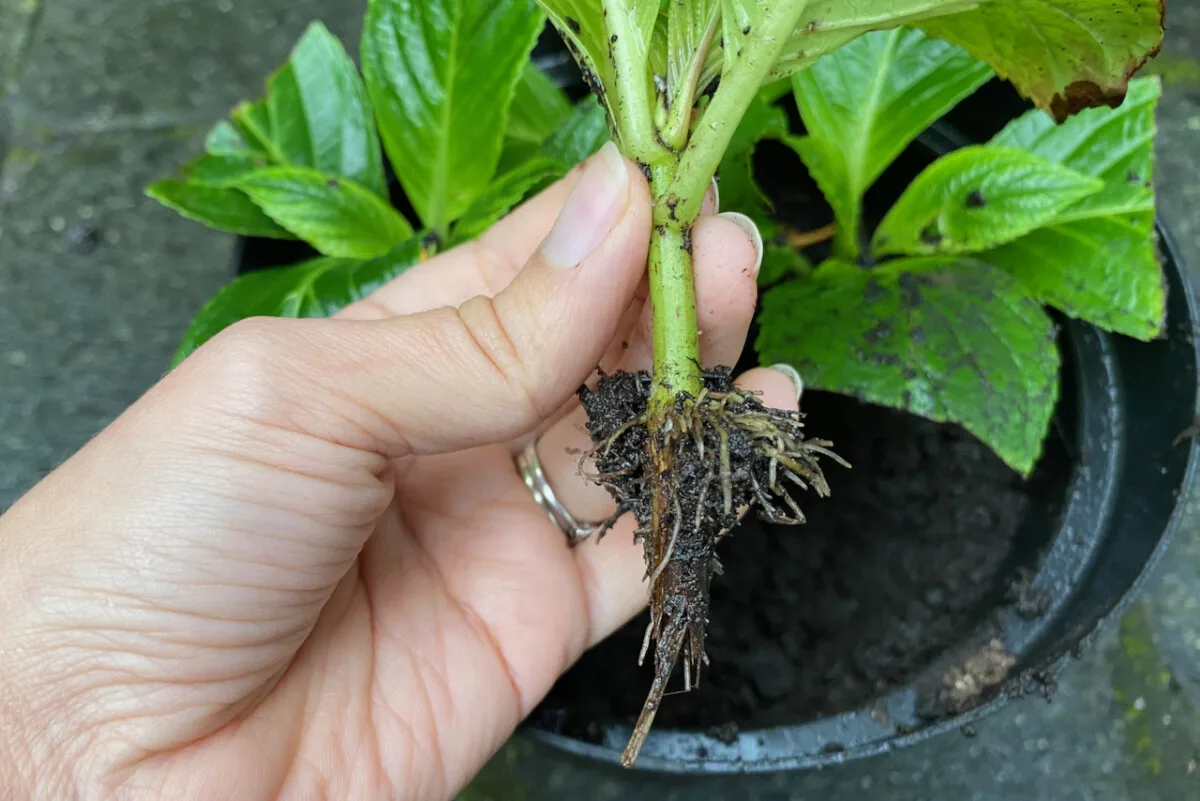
[488, 370]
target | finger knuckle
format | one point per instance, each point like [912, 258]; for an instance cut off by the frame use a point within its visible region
[495, 268]
[242, 363]
[492, 338]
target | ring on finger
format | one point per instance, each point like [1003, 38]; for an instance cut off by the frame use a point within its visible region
[530, 468]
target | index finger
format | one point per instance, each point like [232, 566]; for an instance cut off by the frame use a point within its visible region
[483, 266]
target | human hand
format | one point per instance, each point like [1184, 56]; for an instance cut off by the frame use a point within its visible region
[304, 565]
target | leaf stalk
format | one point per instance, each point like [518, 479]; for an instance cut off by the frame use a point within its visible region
[739, 84]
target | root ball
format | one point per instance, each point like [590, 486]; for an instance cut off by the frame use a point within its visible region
[689, 476]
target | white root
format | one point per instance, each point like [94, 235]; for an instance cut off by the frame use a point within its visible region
[662, 563]
[646, 643]
[726, 472]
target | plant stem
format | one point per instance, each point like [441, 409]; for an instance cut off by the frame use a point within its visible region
[700, 158]
[672, 302]
[679, 186]
[679, 118]
[630, 104]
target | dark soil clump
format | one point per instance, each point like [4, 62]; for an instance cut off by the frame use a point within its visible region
[901, 565]
[689, 471]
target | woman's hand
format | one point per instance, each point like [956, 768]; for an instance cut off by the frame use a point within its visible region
[304, 565]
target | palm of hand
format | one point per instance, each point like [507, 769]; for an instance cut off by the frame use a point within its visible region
[290, 614]
[461, 611]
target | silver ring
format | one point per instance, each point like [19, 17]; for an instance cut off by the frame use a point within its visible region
[530, 468]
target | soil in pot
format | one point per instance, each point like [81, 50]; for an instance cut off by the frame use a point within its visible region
[906, 561]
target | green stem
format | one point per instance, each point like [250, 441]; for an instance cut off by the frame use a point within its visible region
[845, 241]
[630, 104]
[739, 84]
[673, 305]
[679, 187]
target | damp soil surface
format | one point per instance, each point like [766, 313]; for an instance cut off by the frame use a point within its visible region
[908, 559]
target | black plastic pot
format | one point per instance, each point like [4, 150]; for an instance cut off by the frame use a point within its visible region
[1114, 467]
[1128, 402]
[1111, 478]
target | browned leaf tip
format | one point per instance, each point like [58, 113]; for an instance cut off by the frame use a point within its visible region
[1085, 94]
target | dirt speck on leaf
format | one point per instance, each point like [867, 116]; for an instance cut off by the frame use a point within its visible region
[879, 333]
[873, 291]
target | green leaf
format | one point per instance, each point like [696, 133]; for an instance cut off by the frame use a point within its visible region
[692, 28]
[739, 190]
[222, 170]
[1102, 269]
[224, 140]
[316, 288]
[979, 197]
[505, 192]
[612, 42]
[951, 340]
[659, 48]
[780, 263]
[336, 216]
[1064, 54]
[223, 209]
[775, 90]
[319, 113]
[1113, 144]
[825, 163]
[253, 123]
[1097, 260]
[762, 120]
[580, 135]
[828, 25]
[516, 153]
[441, 74]
[865, 103]
[538, 107]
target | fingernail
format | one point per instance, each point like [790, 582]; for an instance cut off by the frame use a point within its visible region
[747, 225]
[590, 212]
[793, 376]
[712, 200]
